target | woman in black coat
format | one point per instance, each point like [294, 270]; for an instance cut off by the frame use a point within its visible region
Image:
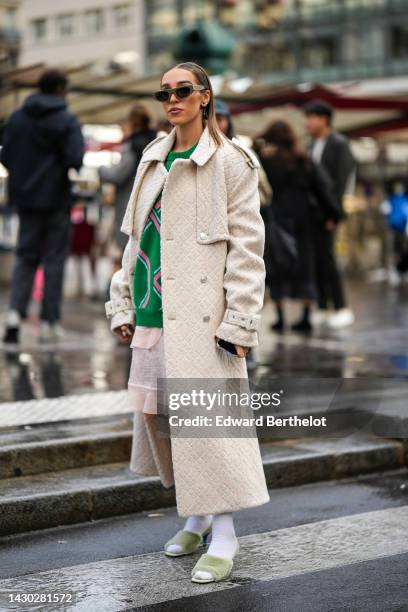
[301, 197]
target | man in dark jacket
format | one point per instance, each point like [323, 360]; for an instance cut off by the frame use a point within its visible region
[41, 142]
[332, 151]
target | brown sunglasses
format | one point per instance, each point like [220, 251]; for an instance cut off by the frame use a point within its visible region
[182, 91]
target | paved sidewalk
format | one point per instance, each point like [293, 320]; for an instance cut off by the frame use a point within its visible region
[78, 377]
[89, 360]
[269, 556]
[65, 408]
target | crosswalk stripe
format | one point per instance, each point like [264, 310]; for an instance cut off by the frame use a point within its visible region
[47, 410]
[151, 578]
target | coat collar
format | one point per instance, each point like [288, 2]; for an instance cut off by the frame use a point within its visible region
[159, 150]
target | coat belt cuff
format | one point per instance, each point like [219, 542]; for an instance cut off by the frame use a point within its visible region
[118, 305]
[250, 322]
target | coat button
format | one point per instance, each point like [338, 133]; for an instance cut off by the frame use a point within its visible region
[206, 318]
[203, 235]
[203, 279]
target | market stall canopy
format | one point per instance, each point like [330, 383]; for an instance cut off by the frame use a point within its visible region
[99, 94]
[102, 94]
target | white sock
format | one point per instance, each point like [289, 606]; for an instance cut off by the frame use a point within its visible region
[196, 524]
[224, 542]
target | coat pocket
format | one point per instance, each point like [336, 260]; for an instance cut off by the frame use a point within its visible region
[204, 237]
[211, 222]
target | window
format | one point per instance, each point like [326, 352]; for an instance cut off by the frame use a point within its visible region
[39, 29]
[162, 17]
[318, 53]
[94, 21]
[265, 56]
[399, 41]
[65, 25]
[10, 18]
[122, 15]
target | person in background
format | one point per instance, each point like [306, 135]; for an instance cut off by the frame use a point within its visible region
[41, 142]
[163, 127]
[395, 209]
[225, 124]
[296, 180]
[332, 151]
[224, 121]
[137, 135]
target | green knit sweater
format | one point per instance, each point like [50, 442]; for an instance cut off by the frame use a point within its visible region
[147, 277]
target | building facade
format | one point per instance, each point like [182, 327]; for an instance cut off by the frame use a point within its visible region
[76, 31]
[292, 40]
[9, 34]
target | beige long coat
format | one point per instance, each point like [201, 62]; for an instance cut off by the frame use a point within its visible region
[213, 282]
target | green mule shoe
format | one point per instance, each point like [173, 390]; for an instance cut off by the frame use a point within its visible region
[219, 568]
[188, 540]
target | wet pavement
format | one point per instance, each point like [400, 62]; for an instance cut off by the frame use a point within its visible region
[90, 360]
[337, 546]
[375, 346]
[144, 532]
[316, 547]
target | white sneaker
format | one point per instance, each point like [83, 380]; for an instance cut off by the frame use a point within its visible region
[319, 317]
[13, 318]
[59, 332]
[341, 318]
[377, 276]
[51, 332]
[394, 279]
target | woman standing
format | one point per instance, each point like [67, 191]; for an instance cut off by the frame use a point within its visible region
[195, 195]
[301, 193]
[137, 133]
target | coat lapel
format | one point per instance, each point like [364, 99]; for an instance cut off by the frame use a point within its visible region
[149, 192]
[139, 207]
[205, 149]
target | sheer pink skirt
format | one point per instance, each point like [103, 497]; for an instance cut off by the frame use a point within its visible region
[151, 446]
[147, 366]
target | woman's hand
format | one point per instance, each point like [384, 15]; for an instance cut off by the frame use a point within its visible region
[241, 350]
[124, 333]
[330, 225]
